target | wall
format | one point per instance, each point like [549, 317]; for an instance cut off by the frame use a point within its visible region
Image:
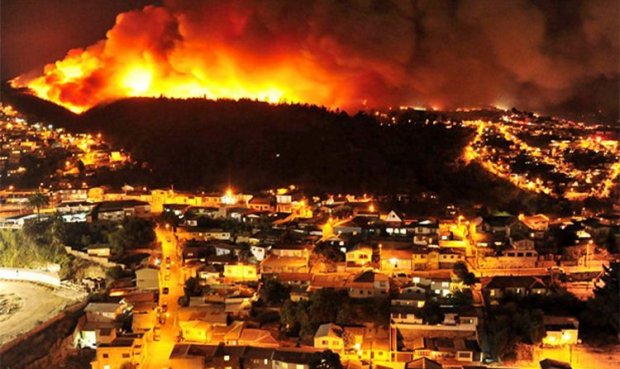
[30, 275]
[44, 346]
[103, 261]
[503, 262]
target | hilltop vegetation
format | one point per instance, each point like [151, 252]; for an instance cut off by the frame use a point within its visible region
[198, 143]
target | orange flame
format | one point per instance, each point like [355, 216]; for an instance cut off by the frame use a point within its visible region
[152, 52]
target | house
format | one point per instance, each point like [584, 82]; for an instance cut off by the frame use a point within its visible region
[148, 278]
[396, 260]
[196, 331]
[423, 363]
[329, 336]
[375, 344]
[328, 280]
[18, 221]
[347, 228]
[244, 336]
[259, 251]
[411, 296]
[234, 213]
[288, 359]
[202, 234]
[301, 280]
[498, 223]
[291, 250]
[394, 218]
[103, 311]
[445, 258]
[199, 251]
[450, 348]
[201, 323]
[91, 333]
[74, 207]
[560, 331]
[425, 232]
[458, 321]
[176, 210]
[258, 358]
[193, 213]
[227, 249]
[122, 352]
[529, 256]
[262, 203]
[368, 284]
[278, 264]
[225, 357]
[236, 357]
[405, 314]
[239, 303]
[488, 240]
[241, 272]
[98, 250]
[190, 356]
[440, 286]
[419, 259]
[359, 256]
[208, 274]
[144, 316]
[116, 211]
[499, 286]
[537, 222]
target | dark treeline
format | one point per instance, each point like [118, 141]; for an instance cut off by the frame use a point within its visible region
[198, 143]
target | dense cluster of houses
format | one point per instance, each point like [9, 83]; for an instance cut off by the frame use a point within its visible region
[374, 255]
[22, 144]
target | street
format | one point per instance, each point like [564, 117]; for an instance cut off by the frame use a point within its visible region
[158, 352]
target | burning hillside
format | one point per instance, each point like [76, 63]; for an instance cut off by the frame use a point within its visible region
[350, 55]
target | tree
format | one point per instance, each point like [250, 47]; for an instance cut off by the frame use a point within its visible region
[511, 324]
[131, 233]
[183, 301]
[463, 274]
[325, 360]
[602, 316]
[431, 313]
[288, 315]
[37, 201]
[324, 252]
[611, 244]
[274, 293]
[192, 287]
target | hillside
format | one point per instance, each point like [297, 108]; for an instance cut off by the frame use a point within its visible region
[251, 145]
[257, 145]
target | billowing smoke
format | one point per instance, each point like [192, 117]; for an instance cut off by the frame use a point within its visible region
[549, 56]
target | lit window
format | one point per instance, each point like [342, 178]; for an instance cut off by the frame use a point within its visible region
[226, 358]
[299, 366]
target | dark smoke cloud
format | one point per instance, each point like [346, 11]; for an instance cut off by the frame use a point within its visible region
[550, 56]
[542, 55]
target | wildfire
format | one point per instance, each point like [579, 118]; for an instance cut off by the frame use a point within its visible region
[138, 80]
[153, 52]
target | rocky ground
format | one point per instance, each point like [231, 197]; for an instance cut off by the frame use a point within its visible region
[9, 305]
